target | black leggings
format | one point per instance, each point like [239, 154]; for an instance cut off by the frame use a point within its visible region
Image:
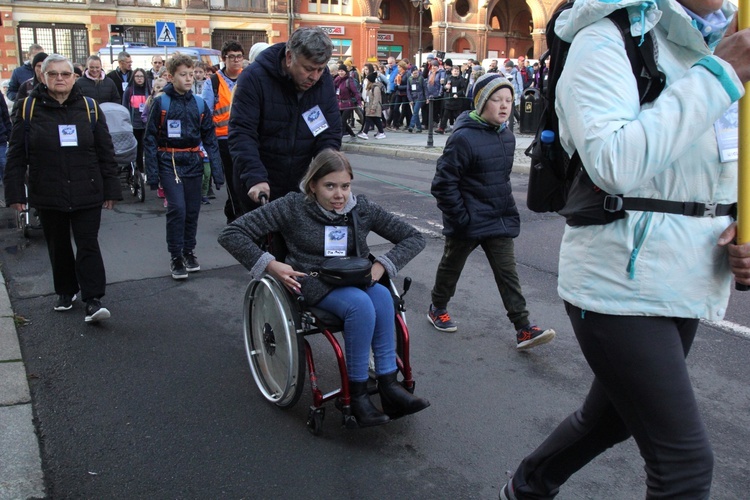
[641, 388]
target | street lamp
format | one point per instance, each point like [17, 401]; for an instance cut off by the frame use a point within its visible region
[421, 5]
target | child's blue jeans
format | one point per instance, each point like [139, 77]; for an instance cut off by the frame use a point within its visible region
[183, 208]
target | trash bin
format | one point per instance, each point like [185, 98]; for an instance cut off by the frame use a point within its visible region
[531, 111]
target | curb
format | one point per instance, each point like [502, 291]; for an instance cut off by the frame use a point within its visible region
[521, 163]
[21, 473]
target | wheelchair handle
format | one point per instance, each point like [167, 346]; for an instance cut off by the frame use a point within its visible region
[262, 198]
[407, 285]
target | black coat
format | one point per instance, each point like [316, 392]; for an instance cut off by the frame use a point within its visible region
[472, 181]
[103, 90]
[61, 178]
[457, 99]
[268, 136]
[117, 77]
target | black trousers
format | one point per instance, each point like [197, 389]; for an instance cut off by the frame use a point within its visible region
[232, 208]
[641, 388]
[83, 270]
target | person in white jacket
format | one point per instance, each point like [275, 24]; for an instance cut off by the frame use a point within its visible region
[636, 288]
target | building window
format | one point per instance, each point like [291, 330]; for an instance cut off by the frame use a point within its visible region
[240, 5]
[341, 48]
[386, 51]
[330, 7]
[384, 11]
[172, 4]
[69, 40]
[246, 38]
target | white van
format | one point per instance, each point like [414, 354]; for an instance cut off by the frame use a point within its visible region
[457, 58]
[501, 63]
[142, 54]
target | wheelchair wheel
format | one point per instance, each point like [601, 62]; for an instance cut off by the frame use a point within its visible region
[274, 350]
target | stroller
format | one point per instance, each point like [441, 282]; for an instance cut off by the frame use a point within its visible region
[126, 147]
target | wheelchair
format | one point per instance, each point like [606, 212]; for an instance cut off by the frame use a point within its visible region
[276, 326]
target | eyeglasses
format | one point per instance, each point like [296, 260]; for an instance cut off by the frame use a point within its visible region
[238, 57]
[54, 74]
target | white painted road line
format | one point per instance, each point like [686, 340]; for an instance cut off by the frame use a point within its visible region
[740, 330]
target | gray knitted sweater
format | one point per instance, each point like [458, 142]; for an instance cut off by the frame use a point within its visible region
[302, 222]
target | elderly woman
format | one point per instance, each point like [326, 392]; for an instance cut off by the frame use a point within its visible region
[306, 219]
[71, 176]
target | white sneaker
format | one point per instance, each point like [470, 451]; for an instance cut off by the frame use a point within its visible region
[380, 136]
[362, 135]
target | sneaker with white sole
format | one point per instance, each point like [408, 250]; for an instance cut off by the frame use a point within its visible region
[531, 336]
[64, 302]
[177, 266]
[441, 320]
[191, 262]
[95, 312]
[380, 136]
[362, 135]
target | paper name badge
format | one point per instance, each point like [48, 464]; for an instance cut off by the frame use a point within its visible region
[727, 134]
[315, 120]
[174, 128]
[68, 135]
[335, 244]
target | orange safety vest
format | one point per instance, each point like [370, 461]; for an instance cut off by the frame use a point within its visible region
[221, 108]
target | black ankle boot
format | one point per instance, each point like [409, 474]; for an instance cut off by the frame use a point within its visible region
[362, 408]
[396, 400]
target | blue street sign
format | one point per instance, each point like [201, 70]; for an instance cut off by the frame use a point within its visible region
[166, 34]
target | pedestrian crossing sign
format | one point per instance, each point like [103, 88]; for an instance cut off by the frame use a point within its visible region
[166, 34]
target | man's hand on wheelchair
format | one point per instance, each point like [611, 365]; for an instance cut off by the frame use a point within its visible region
[255, 191]
[285, 274]
[19, 207]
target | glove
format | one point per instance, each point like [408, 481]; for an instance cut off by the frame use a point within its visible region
[218, 186]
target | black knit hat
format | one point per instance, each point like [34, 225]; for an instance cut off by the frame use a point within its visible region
[342, 67]
[371, 76]
[40, 57]
[447, 62]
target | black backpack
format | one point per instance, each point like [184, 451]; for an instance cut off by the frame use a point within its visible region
[558, 182]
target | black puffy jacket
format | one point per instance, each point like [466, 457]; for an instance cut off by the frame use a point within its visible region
[268, 136]
[61, 178]
[194, 130]
[103, 90]
[472, 181]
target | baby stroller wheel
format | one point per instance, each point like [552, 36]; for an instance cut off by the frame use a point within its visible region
[141, 187]
[274, 349]
[23, 223]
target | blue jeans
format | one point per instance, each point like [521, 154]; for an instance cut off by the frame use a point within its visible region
[183, 208]
[414, 122]
[369, 321]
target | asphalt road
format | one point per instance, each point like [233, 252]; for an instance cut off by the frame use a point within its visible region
[159, 401]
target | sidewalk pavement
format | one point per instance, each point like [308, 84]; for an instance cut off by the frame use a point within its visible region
[21, 475]
[402, 144]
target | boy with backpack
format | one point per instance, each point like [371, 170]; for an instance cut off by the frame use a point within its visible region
[472, 189]
[178, 122]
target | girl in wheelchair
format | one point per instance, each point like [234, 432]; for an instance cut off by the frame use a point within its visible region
[306, 221]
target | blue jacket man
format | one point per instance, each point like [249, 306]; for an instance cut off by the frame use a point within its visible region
[19, 75]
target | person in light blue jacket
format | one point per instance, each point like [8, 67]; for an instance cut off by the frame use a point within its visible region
[635, 289]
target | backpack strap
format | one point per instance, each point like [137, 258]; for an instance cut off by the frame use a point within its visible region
[642, 57]
[93, 112]
[26, 114]
[165, 101]
[201, 106]
[215, 88]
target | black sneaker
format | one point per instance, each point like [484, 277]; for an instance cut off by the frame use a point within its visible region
[178, 268]
[441, 320]
[191, 263]
[64, 302]
[95, 311]
[531, 335]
